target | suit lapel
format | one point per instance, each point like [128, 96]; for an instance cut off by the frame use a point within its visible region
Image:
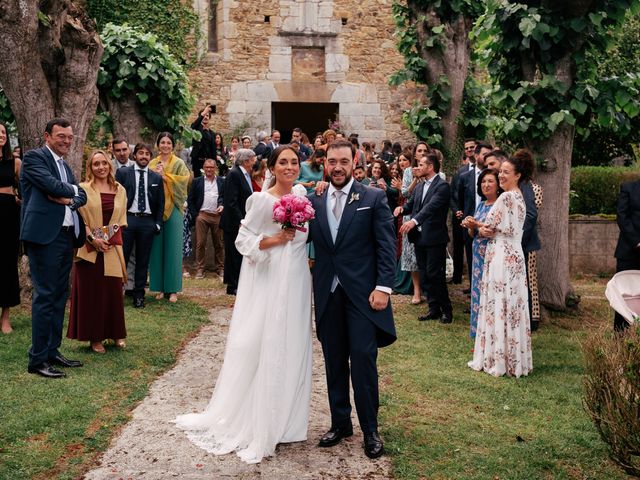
[417, 202]
[349, 210]
[432, 189]
[53, 166]
[321, 218]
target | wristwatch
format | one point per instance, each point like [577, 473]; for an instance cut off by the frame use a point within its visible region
[90, 238]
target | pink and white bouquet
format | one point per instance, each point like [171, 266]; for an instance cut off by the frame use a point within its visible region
[293, 211]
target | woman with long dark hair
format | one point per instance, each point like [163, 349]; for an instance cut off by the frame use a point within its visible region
[10, 222]
[503, 338]
[165, 268]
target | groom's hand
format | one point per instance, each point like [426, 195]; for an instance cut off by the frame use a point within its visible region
[378, 300]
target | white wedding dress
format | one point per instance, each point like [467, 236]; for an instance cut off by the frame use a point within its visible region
[262, 394]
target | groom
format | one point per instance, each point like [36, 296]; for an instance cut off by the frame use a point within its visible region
[352, 278]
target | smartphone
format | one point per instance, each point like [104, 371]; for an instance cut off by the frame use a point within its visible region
[213, 108]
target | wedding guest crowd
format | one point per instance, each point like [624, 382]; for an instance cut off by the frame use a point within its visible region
[140, 213]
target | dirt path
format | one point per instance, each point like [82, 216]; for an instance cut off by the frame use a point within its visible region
[150, 447]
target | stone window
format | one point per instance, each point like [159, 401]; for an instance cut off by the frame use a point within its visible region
[213, 26]
[307, 64]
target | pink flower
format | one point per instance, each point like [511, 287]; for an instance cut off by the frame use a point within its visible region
[293, 211]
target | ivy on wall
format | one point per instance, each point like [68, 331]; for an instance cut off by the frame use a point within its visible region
[173, 21]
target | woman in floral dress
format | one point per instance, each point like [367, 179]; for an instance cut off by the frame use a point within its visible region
[503, 339]
[489, 190]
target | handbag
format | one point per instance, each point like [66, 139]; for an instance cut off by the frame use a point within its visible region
[449, 267]
[109, 233]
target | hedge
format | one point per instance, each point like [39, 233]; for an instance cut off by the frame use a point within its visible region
[594, 190]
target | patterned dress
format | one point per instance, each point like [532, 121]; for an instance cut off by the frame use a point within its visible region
[479, 247]
[408, 261]
[503, 339]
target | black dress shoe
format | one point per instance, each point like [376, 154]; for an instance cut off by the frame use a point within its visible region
[64, 362]
[431, 315]
[138, 303]
[333, 436]
[447, 317]
[231, 291]
[45, 370]
[373, 446]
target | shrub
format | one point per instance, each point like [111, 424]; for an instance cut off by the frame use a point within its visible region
[594, 190]
[612, 393]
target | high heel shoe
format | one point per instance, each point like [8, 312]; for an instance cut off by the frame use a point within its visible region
[173, 298]
[120, 343]
[160, 296]
[98, 347]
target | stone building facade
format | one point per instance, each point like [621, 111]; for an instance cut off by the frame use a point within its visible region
[287, 63]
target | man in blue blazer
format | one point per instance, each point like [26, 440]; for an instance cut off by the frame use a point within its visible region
[427, 230]
[145, 208]
[50, 229]
[206, 203]
[353, 276]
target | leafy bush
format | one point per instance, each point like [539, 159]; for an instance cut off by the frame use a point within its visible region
[173, 21]
[137, 63]
[612, 393]
[594, 190]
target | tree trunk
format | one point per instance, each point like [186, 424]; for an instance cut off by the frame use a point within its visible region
[553, 218]
[449, 60]
[128, 121]
[49, 69]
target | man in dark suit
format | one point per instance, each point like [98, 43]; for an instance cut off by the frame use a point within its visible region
[628, 248]
[50, 229]
[237, 188]
[206, 203]
[456, 213]
[262, 149]
[206, 146]
[427, 230]
[145, 207]
[468, 197]
[352, 308]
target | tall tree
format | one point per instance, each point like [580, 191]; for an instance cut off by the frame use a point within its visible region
[535, 52]
[433, 36]
[51, 53]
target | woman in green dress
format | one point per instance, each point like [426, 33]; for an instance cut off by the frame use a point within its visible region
[165, 267]
[312, 171]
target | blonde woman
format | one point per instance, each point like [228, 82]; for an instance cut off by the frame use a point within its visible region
[97, 308]
[165, 269]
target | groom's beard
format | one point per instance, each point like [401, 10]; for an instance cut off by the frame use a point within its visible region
[340, 183]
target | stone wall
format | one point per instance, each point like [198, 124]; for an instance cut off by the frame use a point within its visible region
[592, 242]
[329, 51]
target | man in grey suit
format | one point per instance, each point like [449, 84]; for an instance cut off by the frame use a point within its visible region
[50, 228]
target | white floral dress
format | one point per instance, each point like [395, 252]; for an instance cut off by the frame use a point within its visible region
[503, 339]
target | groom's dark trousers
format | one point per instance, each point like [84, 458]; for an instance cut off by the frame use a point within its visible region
[345, 332]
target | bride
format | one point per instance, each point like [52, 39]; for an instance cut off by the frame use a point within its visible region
[262, 394]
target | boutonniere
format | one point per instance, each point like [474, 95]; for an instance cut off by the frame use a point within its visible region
[354, 198]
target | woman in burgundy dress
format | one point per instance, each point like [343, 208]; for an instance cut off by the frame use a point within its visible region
[97, 306]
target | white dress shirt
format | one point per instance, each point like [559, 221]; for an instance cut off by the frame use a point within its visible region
[68, 216]
[210, 202]
[134, 204]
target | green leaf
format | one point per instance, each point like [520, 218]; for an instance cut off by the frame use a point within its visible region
[438, 30]
[578, 106]
[632, 109]
[622, 98]
[143, 97]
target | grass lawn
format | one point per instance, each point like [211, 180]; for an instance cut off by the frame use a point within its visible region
[56, 428]
[442, 420]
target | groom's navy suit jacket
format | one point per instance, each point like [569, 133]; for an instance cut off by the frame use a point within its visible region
[362, 255]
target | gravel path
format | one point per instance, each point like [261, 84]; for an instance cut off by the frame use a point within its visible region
[150, 447]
